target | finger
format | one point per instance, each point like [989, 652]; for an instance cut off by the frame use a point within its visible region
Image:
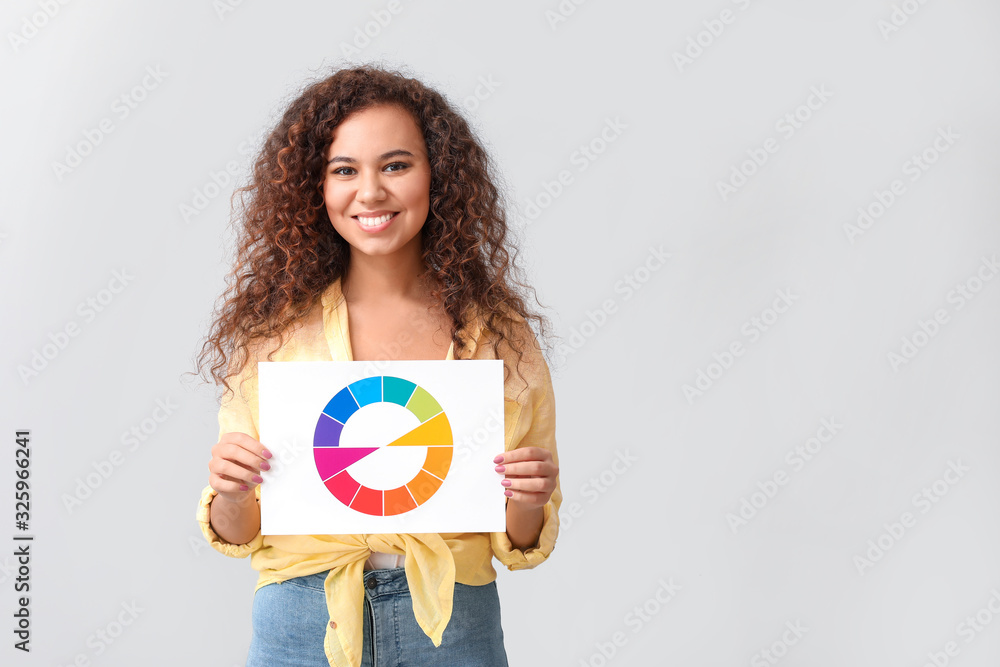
[225, 485]
[528, 498]
[240, 476]
[234, 472]
[524, 454]
[530, 484]
[238, 454]
[528, 468]
[234, 480]
[246, 442]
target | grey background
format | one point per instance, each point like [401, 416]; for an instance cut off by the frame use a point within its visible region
[619, 387]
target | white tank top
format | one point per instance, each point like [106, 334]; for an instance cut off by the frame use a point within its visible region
[380, 561]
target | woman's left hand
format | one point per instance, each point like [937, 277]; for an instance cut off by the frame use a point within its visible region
[529, 475]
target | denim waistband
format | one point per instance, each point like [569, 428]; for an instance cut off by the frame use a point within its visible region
[387, 581]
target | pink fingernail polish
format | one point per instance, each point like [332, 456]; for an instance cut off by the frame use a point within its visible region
[500, 468]
[508, 493]
[244, 487]
[498, 459]
[505, 482]
[257, 478]
[265, 465]
[266, 454]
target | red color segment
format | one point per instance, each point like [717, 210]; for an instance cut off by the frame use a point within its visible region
[368, 501]
[343, 487]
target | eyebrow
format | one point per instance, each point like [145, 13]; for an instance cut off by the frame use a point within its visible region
[383, 156]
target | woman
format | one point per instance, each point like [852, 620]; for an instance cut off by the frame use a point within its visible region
[372, 197]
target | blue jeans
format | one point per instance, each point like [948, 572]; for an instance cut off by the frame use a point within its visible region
[290, 620]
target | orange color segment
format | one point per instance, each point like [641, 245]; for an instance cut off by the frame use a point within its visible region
[438, 461]
[423, 486]
[398, 501]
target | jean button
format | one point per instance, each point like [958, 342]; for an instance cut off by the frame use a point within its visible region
[371, 583]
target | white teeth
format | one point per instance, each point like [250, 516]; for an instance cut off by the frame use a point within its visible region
[374, 222]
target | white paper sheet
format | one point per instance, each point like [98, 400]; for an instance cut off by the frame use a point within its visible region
[329, 425]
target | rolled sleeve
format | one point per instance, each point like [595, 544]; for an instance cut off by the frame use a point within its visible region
[537, 423]
[525, 559]
[216, 542]
[237, 413]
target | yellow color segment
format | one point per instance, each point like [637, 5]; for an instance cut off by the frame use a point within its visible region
[435, 431]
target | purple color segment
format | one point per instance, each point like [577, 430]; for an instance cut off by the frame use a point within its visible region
[327, 432]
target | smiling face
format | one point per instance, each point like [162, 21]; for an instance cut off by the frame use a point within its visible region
[377, 182]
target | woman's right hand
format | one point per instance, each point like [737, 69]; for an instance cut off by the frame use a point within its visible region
[237, 460]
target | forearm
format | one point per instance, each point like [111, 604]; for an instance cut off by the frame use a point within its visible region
[236, 523]
[524, 525]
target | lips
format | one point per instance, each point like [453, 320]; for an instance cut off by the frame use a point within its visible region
[379, 220]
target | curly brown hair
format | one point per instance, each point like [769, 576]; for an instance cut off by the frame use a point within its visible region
[289, 252]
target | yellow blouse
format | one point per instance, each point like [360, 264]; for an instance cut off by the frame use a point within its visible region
[434, 561]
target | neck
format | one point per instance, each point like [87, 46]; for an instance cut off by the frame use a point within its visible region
[384, 278]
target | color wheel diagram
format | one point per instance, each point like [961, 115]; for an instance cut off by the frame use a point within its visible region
[334, 460]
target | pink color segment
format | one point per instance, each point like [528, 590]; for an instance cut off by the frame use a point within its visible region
[331, 460]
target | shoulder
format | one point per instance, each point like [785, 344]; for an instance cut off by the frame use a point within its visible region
[527, 375]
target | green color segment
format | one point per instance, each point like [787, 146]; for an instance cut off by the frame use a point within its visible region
[423, 405]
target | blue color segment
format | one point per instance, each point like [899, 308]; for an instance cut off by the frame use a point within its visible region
[367, 391]
[341, 406]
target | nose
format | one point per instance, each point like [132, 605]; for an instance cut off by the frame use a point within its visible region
[370, 186]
